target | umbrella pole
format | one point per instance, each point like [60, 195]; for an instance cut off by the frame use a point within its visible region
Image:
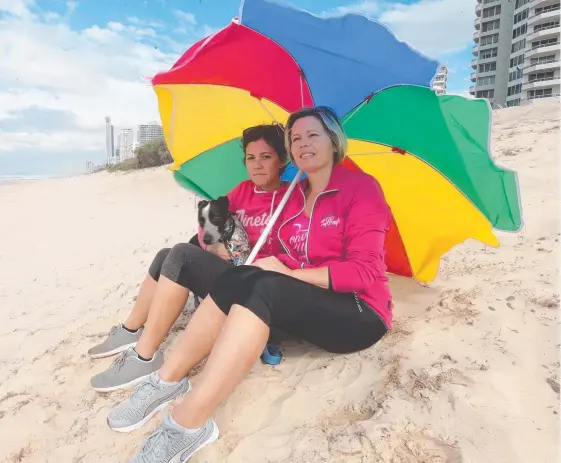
[273, 219]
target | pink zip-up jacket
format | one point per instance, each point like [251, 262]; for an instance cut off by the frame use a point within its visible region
[348, 225]
[254, 207]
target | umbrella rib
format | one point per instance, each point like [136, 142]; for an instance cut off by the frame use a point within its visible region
[301, 90]
[372, 152]
[354, 112]
[268, 112]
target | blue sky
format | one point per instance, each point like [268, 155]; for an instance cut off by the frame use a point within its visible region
[64, 64]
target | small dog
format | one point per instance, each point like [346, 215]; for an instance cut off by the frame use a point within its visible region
[219, 226]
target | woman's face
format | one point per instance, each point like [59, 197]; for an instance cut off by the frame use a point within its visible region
[310, 145]
[263, 165]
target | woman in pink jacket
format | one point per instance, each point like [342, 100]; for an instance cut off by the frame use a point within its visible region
[186, 267]
[328, 287]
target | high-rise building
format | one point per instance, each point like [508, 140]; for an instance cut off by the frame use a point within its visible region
[516, 51]
[109, 140]
[541, 56]
[440, 80]
[126, 144]
[149, 132]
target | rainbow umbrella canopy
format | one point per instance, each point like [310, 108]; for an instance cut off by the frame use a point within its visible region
[430, 153]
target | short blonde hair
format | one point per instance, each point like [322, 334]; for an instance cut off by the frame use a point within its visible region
[331, 124]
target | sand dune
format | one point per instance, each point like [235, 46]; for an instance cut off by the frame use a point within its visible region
[468, 374]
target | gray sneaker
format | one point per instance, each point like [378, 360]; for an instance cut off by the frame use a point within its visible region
[150, 397]
[126, 371]
[117, 341]
[170, 443]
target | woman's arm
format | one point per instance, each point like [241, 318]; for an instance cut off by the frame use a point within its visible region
[366, 226]
[315, 276]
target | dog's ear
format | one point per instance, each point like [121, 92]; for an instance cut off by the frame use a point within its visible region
[223, 202]
[202, 203]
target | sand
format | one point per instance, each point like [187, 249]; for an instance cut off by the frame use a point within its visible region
[468, 374]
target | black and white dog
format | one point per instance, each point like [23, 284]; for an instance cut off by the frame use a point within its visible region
[219, 226]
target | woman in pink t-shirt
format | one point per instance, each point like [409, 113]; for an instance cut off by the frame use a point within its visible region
[328, 287]
[187, 267]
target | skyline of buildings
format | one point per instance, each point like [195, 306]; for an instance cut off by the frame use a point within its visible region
[128, 140]
[516, 51]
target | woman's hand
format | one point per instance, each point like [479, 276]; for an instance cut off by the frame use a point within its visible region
[272, 264]
[219, 249]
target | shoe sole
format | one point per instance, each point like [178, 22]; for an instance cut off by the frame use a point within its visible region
[134, 427]
[115, 351]
[128, 385]
[178, 457]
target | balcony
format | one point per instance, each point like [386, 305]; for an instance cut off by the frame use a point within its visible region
[546, 32]
[474, 63]
[475, 50]
[472, 90]
[546, 16]
[540, 3]
[473, 76]
[478, 9]
[486, 60]
[487, 45]
[486, 73]
[485, 86]
[546, 82]
[476, 36]
[477, 23]
[541, 50]
[439, 86]
[554, 94]
[545, 66]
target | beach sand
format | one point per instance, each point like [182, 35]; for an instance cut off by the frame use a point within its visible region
[468, 374]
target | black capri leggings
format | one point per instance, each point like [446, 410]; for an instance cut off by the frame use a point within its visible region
[336, 322]
[189, 266]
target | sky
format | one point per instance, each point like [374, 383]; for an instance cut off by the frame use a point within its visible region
[66, 64]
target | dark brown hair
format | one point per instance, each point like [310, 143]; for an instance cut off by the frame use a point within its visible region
[272, 134]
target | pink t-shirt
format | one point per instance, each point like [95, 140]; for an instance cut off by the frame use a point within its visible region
[296, 235]
[254, 207]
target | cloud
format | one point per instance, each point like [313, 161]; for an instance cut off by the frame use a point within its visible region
[19, 8]
[38, 119]
[434, 27]
[57, 84]
[188, 18]
[188, 23]
[144, 22]
[71, 5]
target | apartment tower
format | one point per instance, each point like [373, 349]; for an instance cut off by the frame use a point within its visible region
[149, 132]
[516, 51]
[109, 139]
[440, 80]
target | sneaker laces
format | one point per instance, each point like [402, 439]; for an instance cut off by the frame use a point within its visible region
[121, 360]
[144, 390]
[113, 330]
[160, 440]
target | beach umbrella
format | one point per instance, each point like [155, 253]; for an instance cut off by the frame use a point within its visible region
[429, 152]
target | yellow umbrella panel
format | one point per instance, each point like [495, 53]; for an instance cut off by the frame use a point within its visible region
[431, 214]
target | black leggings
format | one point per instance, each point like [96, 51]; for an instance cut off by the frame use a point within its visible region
[335, 322]
[189, 266]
